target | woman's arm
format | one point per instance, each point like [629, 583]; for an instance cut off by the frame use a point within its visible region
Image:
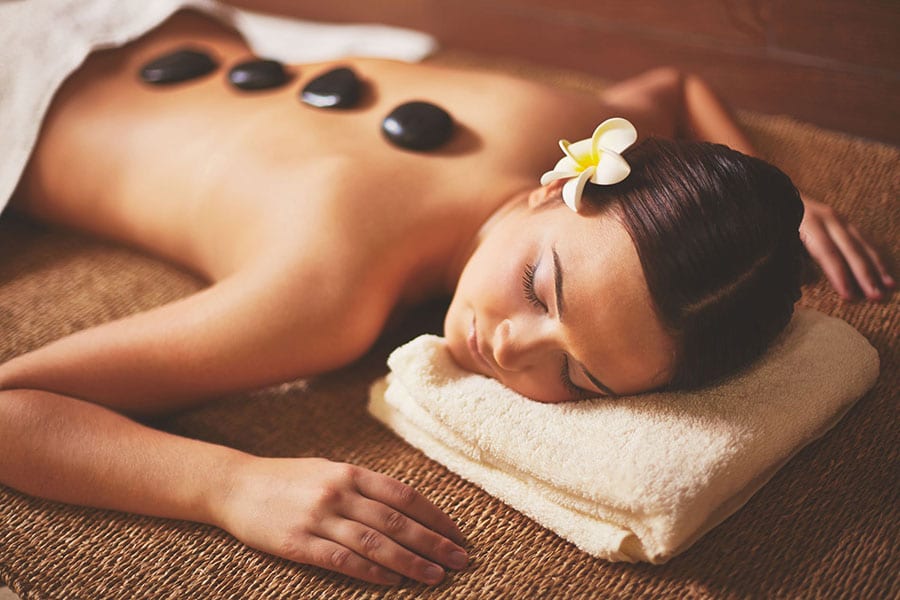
[257, 327]
[61, 437]
[846, 257]
[673, 103]
[73, 451]
[313, 511]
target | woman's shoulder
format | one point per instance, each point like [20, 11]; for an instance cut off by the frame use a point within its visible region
[324, 301]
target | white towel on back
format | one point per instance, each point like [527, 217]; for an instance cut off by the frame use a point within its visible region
[637, 478]
[42, 41]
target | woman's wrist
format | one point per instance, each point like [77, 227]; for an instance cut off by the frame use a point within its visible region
[225, 486]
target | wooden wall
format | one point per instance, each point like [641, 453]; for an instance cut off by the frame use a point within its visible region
[835, 63]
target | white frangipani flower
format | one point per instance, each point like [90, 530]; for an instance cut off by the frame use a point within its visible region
[597, 159]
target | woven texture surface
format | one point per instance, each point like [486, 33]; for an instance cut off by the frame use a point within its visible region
[827, 524]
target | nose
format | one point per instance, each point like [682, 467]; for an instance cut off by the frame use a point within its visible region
[520, 344]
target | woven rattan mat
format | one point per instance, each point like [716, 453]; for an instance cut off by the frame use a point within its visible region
[825, 526]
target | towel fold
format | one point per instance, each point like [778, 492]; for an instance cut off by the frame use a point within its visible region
[636, 478]
[43, 41]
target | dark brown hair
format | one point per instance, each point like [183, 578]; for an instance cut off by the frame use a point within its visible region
[717, 235]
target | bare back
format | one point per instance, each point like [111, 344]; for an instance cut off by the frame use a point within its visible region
[307, 218]
[177, 170]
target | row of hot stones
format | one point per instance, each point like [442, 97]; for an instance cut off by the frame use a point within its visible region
[415, 125]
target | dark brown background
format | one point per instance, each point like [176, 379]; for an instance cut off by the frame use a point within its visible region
[835, 63]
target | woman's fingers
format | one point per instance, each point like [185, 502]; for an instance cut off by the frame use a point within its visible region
[826, 253]
[392, 525]
[408, 501]
[373, 545]
[857, 258]
[338, 557]
[407, 532]
[343, 518]
[847, 259]
[395, 527]
[887, 281]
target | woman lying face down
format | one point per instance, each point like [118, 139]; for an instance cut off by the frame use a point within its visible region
[311, 230]
[675, 277]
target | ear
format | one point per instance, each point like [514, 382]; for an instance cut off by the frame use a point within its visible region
[552, 192]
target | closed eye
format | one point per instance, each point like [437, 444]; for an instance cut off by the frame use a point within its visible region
[528, 287]
[579, 392]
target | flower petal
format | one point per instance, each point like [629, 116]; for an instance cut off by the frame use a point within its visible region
[611, 168]
[567, 165]
[579, 152]
[615, 134]
[573, 188]
[551, 176]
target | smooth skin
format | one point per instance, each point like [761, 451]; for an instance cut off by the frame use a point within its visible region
[268, 199]
[587, 313]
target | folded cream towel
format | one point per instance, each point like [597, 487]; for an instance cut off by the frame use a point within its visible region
[42, 41]
[632, 478]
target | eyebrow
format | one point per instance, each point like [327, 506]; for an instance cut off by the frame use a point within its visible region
[558, 282]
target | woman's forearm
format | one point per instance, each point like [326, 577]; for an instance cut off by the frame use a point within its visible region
[76, 452]
[706, 117]
[309, 510]
[846, 256]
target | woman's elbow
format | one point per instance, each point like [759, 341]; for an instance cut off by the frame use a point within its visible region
[7, 379]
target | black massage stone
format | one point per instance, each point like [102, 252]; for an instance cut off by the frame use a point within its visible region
[338, 88]
[178, 66]
[258, 75]
[418, 126]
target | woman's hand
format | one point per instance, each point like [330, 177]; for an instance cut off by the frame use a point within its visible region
[341, 517]
[846, 258]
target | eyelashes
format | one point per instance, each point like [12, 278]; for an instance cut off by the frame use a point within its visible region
[528, 286]
[532, 297]
[579, 392]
